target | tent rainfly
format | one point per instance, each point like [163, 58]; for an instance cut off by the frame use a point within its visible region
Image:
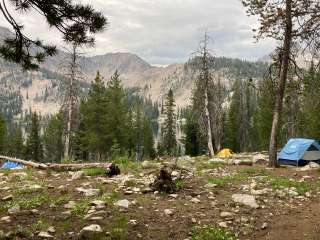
[225, 153]
[12, 165]
[299, 152]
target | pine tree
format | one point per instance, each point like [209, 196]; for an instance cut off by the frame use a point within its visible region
[16, 146]
[169, 128]
[3, 132]
[52, 139]
[34, 149]
[117, 117]
[148, 140]
[77, 22]
[192, 134]
[93, 114]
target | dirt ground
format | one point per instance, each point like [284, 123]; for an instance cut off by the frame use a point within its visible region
[288, 199]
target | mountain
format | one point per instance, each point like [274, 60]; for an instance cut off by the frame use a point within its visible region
[43, 90]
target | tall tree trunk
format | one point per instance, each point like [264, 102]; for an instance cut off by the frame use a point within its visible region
[285, 55]
[71, 102]
[209, 130]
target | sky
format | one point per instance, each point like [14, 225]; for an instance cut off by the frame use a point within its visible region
[165, 31]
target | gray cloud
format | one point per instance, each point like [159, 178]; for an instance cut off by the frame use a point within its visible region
[167, 31]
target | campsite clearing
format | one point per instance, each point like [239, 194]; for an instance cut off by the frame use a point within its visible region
[241, 202]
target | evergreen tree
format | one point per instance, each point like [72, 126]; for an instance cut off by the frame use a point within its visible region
[16, 146]
[52, 139]
[148, 140]
[34, 149]
[3, 132]
[192, 134]
[117, 117]
[311, 115]
[169, 128]
[93, 113]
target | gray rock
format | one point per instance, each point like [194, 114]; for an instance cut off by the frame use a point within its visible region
[93, 231]
[5, 219]
[245, 199]
[168, 212]
[77, 175]
[264, 226]
[7, 198]
[45, 235]
[14, 209]
[122, 203]
[226, 214]
[195, 200]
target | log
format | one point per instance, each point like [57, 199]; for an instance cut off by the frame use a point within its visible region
[76, 166]
[24, 162]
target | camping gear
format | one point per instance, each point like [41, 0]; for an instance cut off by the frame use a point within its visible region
[12, 165]
[225, 153]
[299, 152]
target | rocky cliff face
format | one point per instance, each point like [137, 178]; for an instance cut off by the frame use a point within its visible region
[42, 90]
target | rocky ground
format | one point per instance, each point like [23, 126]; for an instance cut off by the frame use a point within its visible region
[214, 199]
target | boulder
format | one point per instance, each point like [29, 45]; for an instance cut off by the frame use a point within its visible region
[245, 199]
[310, 166]
[168, 212]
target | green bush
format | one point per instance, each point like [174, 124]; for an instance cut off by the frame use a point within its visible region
[94, 171]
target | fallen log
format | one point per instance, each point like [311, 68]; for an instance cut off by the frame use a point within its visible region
[76, 166]
[24, 162]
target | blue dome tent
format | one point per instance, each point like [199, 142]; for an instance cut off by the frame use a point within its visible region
[299, 152]
[12, 165]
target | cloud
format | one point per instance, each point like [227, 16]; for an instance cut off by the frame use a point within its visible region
[167, 31]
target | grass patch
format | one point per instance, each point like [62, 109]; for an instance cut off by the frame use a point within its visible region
[180, 184]
[40, 225]
[94, 171]
[81, 208]
[284, 182]
[255, 172]
[110, 198]
[224, 181]
[26, 203]
[211, 233]
[126, 165]
[60, 201]
[119, 229]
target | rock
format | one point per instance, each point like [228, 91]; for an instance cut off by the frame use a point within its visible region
[90, 192]
[175, 175]
[14, 209]
[310, 166]
[264, 226]
[146, 190]
[98, 204]
[223, 224]
[36, 187]
[193, 220]
[70, 205]
[245, 199]
[195, 200]
[93, 231]
[63, 189]
[5, 219]
[77, 175]
[44, 235]
[96, 218]
[122, 203]
[51, 229]
[173, 195]
[210, 185]
[259, 192]
[226, 214]
[7, 198]
[168, 212]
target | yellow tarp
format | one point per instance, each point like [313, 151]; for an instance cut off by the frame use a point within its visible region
[225, 153]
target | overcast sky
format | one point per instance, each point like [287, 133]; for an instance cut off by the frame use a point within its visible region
[166, 31]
